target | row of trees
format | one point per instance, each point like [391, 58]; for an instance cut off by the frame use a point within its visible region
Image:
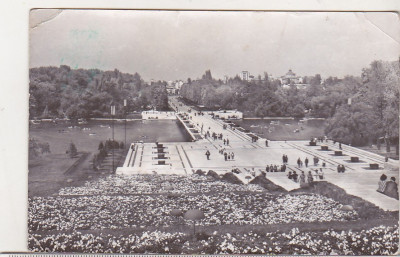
[61, 92]
[37, 148]
[103, 152]
[264, 97]
[372, 114]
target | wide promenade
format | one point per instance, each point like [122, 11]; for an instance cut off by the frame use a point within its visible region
[250, 158]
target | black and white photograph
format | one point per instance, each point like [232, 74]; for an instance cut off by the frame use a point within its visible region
[213, 132]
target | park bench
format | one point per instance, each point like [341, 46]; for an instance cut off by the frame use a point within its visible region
[374, 166]
[338, 153]
[354, 159]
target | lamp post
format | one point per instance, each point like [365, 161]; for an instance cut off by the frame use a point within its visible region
[112, 122]
[125, 105]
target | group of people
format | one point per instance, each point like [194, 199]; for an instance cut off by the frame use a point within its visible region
[285, 159]
[216, 136]
[302, 179]
[341, 168]
[320, 139]
[388, 188]
[275, 168]
[227, 156]
[300, 162]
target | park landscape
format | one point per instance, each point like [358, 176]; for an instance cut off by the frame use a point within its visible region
[96, 183]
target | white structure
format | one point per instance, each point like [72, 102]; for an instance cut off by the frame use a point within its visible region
[245, 75]
[152, 115]
[291, 78]
[229, 115]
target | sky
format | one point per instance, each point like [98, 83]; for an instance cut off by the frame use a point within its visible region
[171, 45]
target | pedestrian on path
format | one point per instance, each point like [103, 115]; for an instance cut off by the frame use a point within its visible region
[306, 162]
[310, 178]
[298, 162]
[224, 141]
[382, 183]
[227, 141]
[232, 156]
[208, 154]
[391, 188]
[266, 142]
[294, 176]
[302, 178]
[226, 156]
[340, 146]
[321, 173]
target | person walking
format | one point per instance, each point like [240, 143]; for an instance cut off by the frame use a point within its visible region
[340, 146]
[315, 161]
[226, 156]
[382, 183]
[266, 142]
[232, 156]
[208, 154]
[391, 188]
[224, 141]
[321, 174]
[227, 141]
[306, 162]
[294, 176]
[310, 178]
[302, 178]
[298, 162]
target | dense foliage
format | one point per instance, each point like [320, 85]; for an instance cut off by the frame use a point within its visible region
[58, 92]
[372, 112]
[37, 148]
[264, 97]
[374, 109]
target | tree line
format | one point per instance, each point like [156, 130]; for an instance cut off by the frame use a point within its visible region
[61, 92]
[359, 109]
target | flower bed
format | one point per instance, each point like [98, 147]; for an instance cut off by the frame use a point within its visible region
[375, 241]
[149, 184]
[130, 211]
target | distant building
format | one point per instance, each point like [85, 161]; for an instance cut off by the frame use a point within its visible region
[291, 78]
[173, 87]
[229, 114]
[245, 75]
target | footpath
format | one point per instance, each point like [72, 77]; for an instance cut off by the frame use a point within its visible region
[250, 158]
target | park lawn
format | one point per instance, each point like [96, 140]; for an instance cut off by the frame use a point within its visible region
[47, 173]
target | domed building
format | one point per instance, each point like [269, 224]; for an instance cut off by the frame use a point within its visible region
[291, 78]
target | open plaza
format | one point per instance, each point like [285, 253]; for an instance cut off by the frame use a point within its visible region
[141, 208]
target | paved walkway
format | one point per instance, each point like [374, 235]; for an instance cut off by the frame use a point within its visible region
[250, 158]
